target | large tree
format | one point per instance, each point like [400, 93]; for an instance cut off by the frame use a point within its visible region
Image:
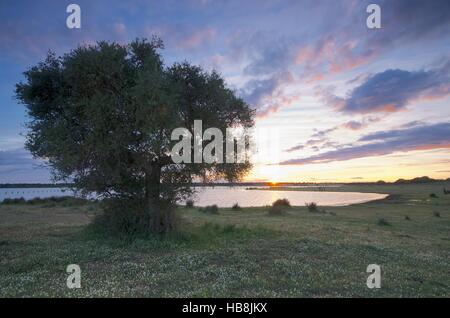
[102, 116]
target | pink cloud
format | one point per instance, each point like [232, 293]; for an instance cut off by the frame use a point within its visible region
[197, 38]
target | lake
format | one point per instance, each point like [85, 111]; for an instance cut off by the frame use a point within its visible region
[228, 196]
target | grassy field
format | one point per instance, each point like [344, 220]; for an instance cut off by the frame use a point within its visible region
[243, 253]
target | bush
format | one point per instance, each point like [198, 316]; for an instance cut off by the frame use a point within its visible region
[433, 195]
[236, 207]
[14, 201]
[129, 216]
[437, 214]
[189, 204]
[383, 222]
[229, 228]
[312, 207]
[407, 218]
[210, 209]
[65, 200]
[282, 202]
[276, 210]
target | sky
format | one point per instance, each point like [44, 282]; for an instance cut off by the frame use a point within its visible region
[335, 101]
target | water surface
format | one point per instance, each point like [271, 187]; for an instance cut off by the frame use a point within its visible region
[227, 196]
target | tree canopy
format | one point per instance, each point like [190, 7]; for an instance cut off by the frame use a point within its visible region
[102, 116]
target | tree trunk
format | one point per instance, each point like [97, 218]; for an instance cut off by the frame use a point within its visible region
[157, 222]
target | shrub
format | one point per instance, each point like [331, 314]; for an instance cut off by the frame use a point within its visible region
[211, 209]
[236, 207]
[312, 207]
[437, 214]
[282, 202]
[276, 210]
[189, 204]
[433, 195]
[130, 216]
[383, 222]
[407, 218]
[14, 201]
[65, 200]
[229, 228]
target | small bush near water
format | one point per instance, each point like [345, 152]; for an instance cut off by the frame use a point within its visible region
[211, 209]
[65, 200]
[278, 207]
[130, 217]
[275, 210]
[312, 207]
[14, 201]
[282, 202]
[189, 204]
[236, 207]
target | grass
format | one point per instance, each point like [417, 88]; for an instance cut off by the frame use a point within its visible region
[235, 254]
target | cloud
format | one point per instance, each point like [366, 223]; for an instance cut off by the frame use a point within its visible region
[347, 45]
[267, 95]
[197, 38]
[268, 53]
[315, 145]
[321, 133]
[392, 90]
[183, 37]
[424, 137]
[360, 124]
[353, 125]
[18, 165]
[120, 28]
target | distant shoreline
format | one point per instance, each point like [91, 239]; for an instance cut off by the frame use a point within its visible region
[419, 180]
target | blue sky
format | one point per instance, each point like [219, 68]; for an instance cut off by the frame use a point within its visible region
[346, 102]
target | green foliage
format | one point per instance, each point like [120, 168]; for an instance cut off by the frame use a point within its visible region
[189, 203]
[236, 207]
[211, 209]
[64, 200]
[103, 114]
[383, 222]
[312, 207]
[433, 195]
[276, 210]
[129, 216]
[437, 214]
[14, 201]
[282, 202]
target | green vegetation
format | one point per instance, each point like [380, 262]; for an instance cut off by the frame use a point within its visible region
[235, 253]
[103, 115]
[211, 209]
[383, 222]
[66, 200]
[189, 203]
[312, 207]
[236, 207]
[282, 202]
